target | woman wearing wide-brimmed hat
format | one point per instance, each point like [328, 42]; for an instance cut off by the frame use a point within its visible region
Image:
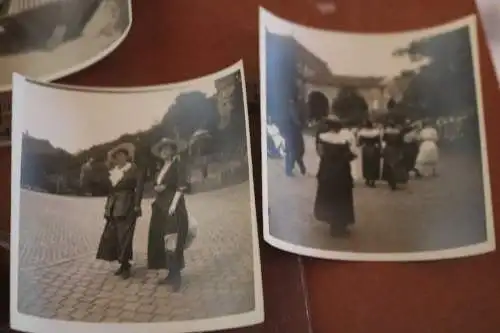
[334, 196]
[123, 207]
[169, 213]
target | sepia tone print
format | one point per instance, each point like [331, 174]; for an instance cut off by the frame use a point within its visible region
[373, 144]
[146, 218]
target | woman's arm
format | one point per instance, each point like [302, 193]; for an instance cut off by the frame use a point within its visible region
[181, 171]
[139, 188]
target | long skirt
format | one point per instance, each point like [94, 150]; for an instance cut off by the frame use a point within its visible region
[410, 152]
[371, 162]
[334, 205]
[161, 225]
[394, 169]
[116, 240]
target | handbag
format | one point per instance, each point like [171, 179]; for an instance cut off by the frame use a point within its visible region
[171, 239]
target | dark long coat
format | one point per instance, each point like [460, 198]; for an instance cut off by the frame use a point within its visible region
[371, 154]
[121, 216]
[394, 169]
[334, 196]
[162, 223]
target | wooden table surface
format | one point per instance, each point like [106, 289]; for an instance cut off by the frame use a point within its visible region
[181, 39]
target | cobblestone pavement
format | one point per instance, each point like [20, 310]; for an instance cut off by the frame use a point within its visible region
[59, 277]
[430, 214]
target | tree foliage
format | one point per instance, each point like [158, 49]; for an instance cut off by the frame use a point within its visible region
[445, 86]
[350, 105]
[190, 112]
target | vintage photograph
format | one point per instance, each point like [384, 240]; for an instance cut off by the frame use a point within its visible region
[490, 17]
[49, 39]
[134, 206]
[374, 144]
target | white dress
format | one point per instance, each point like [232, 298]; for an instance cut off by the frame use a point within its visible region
[428, 152]
[278, 140]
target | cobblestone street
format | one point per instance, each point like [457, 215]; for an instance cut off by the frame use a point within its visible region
[429, 214]
[59, 277]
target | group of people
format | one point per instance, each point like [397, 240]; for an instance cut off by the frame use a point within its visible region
[397, 149]
[388, 152]
[169, 219]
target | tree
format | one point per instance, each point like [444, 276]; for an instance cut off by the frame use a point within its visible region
[446, 86]
[350, 105]
[190, 112]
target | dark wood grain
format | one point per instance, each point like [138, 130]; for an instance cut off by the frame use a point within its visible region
[182, 39]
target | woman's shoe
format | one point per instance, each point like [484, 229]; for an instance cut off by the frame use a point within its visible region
[176, 283]
[126, 273]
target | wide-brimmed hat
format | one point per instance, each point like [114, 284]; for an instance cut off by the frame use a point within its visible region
[125, 147]
[177, 144]
[332, 119]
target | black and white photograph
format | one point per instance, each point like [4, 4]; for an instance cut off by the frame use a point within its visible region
[49, 39]
[373, 145]
[490, 17]
[134, 207]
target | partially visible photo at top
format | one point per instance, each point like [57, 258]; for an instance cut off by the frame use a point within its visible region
[490, 17]
[49, 39]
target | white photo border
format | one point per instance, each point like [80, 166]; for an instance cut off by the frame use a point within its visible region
[29, 323]
[87, 63]
[481, 248]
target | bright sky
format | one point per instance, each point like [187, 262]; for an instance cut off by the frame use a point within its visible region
[358, 55]
[76, 120]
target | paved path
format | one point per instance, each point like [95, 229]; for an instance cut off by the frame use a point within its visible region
[430, 214]
[59, 277]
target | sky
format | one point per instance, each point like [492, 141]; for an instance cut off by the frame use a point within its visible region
[76, 120]
[357, 55]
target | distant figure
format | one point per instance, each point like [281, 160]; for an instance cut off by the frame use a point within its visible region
[84, 171]
[370, 139]
[123, 207]
[410, 149]
[334, 196]
[276, 146]
[394, 170]
[294, 140]
[428, 152]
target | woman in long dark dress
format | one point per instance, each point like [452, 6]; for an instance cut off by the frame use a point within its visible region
[123, 207]
[394, 169]
[371, 141]
[169, 213]
[411, 146]
[334, 196]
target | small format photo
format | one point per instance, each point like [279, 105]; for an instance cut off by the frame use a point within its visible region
[489, 11]
[134, 207]
[49, 39]
[374, 144]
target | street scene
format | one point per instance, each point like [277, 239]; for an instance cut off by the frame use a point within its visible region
[428, 215]
[60, 278]
[145, 217]
[374, 143]
[75, 32]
